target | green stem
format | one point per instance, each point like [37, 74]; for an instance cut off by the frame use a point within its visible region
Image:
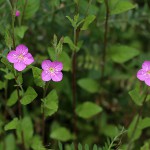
[24, 9]
[136, 123]
[105, 40]
[43, 114]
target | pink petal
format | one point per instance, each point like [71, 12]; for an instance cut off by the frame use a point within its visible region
[19, 66]
[46, 64]
[28, 59]
[21, 49]
[147, 81]
[58, 66]
[12, 56]
[146, 65]
[57, 76]
[141, 74]
[46, 76]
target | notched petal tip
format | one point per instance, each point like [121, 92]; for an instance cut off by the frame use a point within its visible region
[22, 49]
[46, 64]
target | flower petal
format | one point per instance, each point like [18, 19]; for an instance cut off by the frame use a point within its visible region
[147, 81]
[19, 66]
[57, 76]
[46, 64]
[146, 65]
[142, 74]
[28, 59]
[21, 49]
[45, 76]
[12, 56]
[58, 65]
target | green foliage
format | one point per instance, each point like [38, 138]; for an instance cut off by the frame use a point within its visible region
[12, 124]
[37, 143]
[20, 31]
[25, 126]
[37, 76]
[70, 43]
[12, 99]
[122, 53]
[88, 110]
[89, 85]
[29, 8]
[64, 58]
[131, 129]
[50, 103]
[88, 20]
[61, 134]
[29, 96]
[120, 6]
[137, 95]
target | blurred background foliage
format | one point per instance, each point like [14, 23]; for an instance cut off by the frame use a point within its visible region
[127, 47]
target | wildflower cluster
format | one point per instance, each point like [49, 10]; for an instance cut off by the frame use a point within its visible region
[21, 58]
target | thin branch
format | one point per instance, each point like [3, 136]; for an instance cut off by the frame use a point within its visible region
[24, 9]
[105, 39]
[137, 122]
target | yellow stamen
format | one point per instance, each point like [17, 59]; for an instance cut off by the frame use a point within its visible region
[51, 70]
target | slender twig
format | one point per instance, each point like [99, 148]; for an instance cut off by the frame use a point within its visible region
[18, 93]
[24, 9]
[20, 111]
[137, 122]
[88, 7]
[76, 35]
[105, 39]
[43, 113]
[13, 28]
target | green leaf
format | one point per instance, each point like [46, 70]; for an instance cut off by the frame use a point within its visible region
[37, 76]
[7, 64]
[137, 95]
[63, 57]
[88, 110]
[9, 76]
[110, 130]
[70, 43]
[61, 134]
[144, 123]
[1, 85]
[79, 146]
[8, 39]
[122, 53]
[71, 21]
[25, 126]
[120, 6]
[146, 146]
[10, 142]
[20, 31]
[89, 85]
[12, 99]
[50, 103]
[29, 96]
[11, 125]
[31, 7]
[88, 20]
[37, 143]
[138, 131]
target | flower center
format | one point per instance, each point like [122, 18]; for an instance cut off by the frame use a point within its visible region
[51, 70]
[20, 57]
[148, 72]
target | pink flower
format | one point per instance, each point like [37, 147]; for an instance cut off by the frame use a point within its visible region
[20, 57]
[52, 70]
[144, 73]
[17, 13]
